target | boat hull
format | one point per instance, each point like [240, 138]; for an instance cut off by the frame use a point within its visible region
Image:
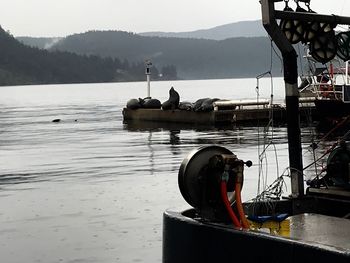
[188, 240]
[332, 108]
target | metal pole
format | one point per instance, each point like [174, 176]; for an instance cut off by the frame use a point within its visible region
[347, 72]
[292, 95]
[148, 65]
[148, 85]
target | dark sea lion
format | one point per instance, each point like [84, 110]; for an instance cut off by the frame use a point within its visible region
[207, 105]
[166, 105]
[151, 104]
[173, 102]
[185, 105]
[56, 120]
[133, 104]
[198, 104]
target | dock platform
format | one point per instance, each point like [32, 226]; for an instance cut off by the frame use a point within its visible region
[216, 117]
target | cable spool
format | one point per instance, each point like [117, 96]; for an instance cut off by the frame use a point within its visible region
[199, 180]
[343, 41]
[323, 48]
[210, 180]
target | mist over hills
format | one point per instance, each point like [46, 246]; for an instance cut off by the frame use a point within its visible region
[39, 42]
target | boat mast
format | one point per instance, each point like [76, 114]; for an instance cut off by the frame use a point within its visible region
[347, 73]
[292, 95]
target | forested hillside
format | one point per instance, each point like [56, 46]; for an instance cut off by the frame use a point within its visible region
[21, 64]
[193, 58]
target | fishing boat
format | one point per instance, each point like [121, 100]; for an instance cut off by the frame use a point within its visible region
[309, 225]
[329, 86]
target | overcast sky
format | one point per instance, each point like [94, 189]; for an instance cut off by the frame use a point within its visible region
[64, 17]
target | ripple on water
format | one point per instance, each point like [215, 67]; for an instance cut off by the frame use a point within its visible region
[90, 188]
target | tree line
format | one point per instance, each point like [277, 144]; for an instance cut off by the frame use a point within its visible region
[21, 64]
[193, 58]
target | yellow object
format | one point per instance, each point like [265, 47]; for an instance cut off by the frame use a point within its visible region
[276, 228]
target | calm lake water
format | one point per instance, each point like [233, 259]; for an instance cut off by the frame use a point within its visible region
[92, 189]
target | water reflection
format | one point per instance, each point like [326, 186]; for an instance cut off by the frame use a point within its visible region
[139, 125]
[151, 150]
[174, 137]
[230, 134]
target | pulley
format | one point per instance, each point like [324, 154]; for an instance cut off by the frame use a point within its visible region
[311, 30]
[314, 29]
[293, 29]
[323, 48]
[306, 32]
[343, 41]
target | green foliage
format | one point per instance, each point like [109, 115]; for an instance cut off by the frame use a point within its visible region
[193, 58]
[21, 64]
[169, 72]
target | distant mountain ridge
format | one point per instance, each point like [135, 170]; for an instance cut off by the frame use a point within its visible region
[193, 58]
[237, 29]
[22, 64]
[236, 51]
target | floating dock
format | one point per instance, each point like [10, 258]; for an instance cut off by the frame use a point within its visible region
[178, 116]
[224, 112]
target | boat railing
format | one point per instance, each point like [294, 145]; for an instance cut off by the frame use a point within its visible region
[240, 104]
[327, 91]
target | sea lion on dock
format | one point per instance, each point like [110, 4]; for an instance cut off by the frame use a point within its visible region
[198, 104]
[173, 102]
[133, 104]
[149, 103]
[205, 104]
[185, 105]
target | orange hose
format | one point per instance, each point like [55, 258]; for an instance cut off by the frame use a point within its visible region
[228, 205]
[244, 220]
